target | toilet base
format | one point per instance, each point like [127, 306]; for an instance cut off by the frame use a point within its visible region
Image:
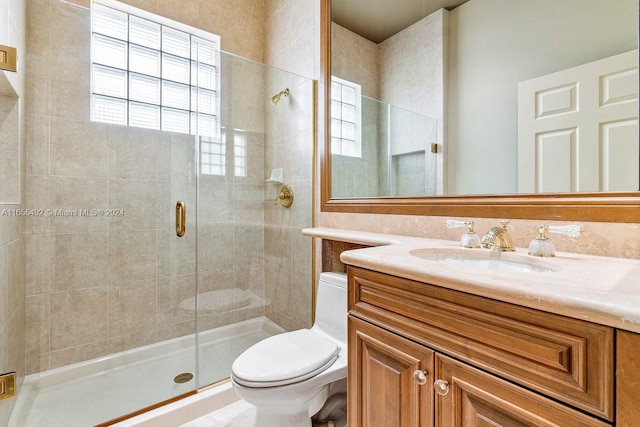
[286, 414]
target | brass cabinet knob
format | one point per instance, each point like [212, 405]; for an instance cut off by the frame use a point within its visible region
[442, 387]
[420, 377]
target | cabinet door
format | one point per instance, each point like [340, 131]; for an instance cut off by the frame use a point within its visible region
[471, 397]
[384, 379]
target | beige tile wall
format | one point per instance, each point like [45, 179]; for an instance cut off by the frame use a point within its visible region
[412, 76]
[601, 238]
[9, 144]
[411, 66]
[240, 23]
[292, 43]
[355, 59]
[287, 252]
[12, 244]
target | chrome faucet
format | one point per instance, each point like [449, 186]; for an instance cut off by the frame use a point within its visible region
[498, 238]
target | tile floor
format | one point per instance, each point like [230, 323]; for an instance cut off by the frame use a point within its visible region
[237, 414]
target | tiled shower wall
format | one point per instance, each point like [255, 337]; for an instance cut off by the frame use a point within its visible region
[287, 252]
[355, 59]
[291, 43]
[12, 244]
[99, 285]
[412, 76]
[387, 71]
[231, 209]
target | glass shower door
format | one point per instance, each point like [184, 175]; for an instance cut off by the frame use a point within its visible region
[253, 263]
[230, 249]
[413, 166]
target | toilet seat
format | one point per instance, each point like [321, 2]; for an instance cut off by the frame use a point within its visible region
[284, 359]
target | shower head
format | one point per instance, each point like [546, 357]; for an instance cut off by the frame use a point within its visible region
[275, 98]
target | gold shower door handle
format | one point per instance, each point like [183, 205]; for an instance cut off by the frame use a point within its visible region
[181, 218]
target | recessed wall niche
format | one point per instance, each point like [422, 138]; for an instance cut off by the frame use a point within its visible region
[9, 143]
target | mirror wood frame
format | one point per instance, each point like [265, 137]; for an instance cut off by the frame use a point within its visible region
[601, 207]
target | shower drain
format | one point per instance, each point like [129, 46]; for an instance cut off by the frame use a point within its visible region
[183, 377]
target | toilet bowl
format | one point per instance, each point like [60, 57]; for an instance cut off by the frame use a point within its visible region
[288, 377]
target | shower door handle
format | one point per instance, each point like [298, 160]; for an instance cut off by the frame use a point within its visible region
[181, 218]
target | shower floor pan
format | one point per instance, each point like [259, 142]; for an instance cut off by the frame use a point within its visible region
[96, 391]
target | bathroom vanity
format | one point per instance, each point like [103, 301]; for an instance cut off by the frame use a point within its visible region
[432, 343]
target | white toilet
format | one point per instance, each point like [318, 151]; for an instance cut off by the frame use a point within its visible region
[288, 377]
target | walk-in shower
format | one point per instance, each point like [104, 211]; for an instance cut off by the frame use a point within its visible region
[390, 154]
[129, 113]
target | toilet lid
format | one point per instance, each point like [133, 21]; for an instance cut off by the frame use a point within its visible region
[284, 359]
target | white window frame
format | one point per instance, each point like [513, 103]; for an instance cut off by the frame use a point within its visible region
[340, 145]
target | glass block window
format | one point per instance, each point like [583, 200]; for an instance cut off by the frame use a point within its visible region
[239, 154]
[213, 154]
[346, 118]
[150, 72]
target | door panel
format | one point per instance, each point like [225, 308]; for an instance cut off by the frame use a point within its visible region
[576, 124]
[381, 384]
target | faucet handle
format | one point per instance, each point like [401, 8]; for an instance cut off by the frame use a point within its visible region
[468, 240]
[542, 246]
[455, 223]
[567, 230]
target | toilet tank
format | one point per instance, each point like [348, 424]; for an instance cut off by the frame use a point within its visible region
[331, 305]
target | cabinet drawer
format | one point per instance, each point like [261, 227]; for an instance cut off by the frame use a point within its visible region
[567, 359]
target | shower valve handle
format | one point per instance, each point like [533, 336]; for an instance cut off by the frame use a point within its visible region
[285, 196]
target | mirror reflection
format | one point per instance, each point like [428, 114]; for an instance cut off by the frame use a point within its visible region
[483, 97]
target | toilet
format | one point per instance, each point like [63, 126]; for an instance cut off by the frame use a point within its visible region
[289, 377]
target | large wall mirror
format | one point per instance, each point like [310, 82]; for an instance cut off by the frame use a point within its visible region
[495, 108]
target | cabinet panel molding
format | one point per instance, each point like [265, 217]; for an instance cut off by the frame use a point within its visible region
[476, 398]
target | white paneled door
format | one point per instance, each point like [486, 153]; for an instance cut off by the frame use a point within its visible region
[578, 128]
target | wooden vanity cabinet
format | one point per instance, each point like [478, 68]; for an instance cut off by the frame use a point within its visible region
[492, 363]
[391, 384]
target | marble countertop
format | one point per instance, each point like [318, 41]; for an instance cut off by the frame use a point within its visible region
[598, 289]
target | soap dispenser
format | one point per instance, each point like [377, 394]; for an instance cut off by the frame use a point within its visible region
[469, 239]
[543, 247]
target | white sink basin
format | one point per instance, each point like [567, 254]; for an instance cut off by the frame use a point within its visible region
[484, 260]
